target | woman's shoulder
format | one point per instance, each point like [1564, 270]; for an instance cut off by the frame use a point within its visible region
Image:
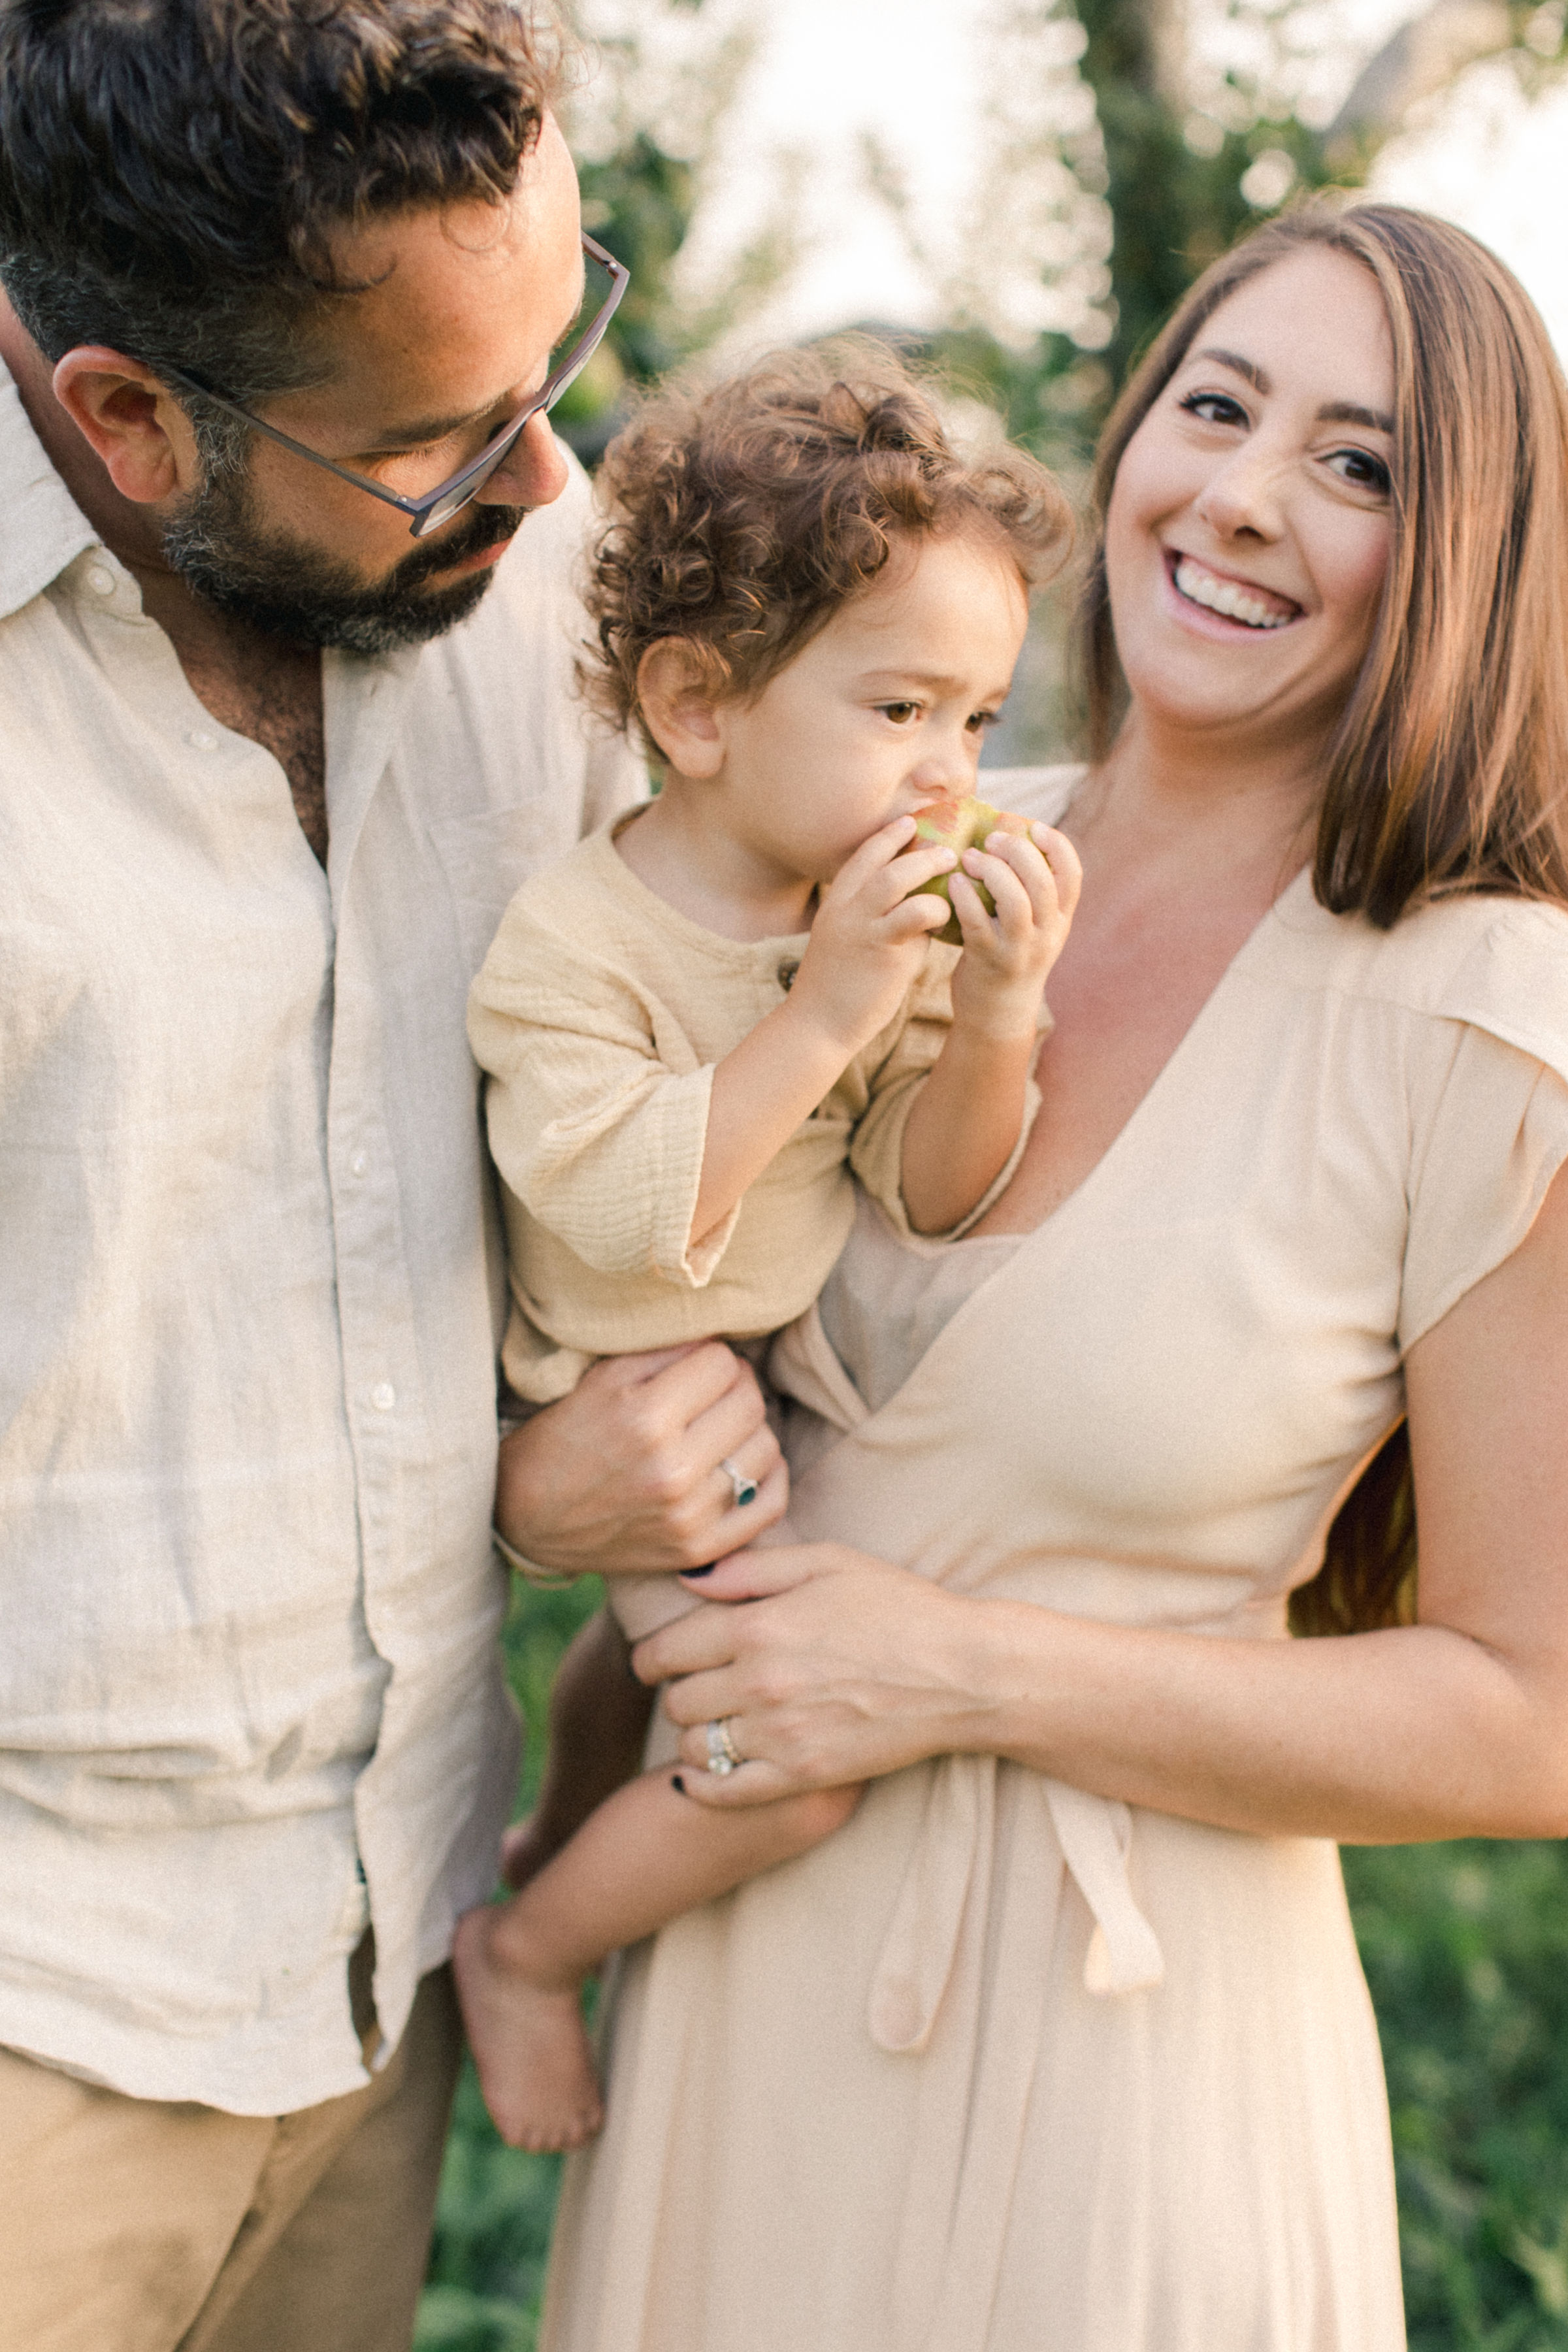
[1041, 793]
[1493, 962]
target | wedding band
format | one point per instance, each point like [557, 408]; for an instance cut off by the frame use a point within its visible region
[744, 1488]
[723, 1753]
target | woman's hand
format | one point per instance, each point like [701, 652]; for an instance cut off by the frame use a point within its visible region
[624, 1474]
[834, 1667]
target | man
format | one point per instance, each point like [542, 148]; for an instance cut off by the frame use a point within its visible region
[285, 715]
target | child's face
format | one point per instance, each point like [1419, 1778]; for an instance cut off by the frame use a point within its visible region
[882, 713]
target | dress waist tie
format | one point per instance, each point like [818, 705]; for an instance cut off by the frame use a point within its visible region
[986, 1876]
[1094, 1835]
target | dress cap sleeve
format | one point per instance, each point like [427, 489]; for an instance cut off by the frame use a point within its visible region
[1490, 1108]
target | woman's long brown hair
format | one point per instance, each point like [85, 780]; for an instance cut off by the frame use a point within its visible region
[1448, 771]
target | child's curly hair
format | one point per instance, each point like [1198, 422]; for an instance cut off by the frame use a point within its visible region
[742, 517]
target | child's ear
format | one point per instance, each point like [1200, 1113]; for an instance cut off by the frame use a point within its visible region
[678, 705]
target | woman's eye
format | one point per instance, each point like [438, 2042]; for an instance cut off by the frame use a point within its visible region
[1362, 470]
[1215, 408]
[900, 713]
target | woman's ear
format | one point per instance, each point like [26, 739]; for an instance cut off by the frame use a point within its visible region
[678, 707]
[138, 430]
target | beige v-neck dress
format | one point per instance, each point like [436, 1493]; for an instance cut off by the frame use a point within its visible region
[1005, 2068]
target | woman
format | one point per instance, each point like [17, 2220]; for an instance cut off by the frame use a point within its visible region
[1062, 2043]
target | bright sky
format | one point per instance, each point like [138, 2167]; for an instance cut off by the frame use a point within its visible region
[908, 71]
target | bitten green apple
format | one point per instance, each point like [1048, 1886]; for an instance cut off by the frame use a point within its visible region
[960, 826]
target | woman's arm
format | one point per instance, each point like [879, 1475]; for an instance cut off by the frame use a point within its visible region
[1455, 1727]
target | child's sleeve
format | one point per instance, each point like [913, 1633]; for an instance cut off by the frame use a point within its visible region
[596, 1104]
[893, 1080]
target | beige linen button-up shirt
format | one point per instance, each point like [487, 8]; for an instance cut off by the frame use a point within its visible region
[249, 1304]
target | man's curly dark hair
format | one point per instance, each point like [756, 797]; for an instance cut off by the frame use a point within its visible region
[741, 519]
[173, 172]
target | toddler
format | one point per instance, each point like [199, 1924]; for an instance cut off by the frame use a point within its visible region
[720, 1011]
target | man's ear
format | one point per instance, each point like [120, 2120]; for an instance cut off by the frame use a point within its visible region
[679, 707]
[135, 426]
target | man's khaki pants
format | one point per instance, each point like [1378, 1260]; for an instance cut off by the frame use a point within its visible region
[127, 2225]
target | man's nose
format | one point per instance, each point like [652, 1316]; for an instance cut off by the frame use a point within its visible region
[533, 472]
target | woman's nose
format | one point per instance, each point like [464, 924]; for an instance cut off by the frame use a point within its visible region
[533, 472]
[1242, 497]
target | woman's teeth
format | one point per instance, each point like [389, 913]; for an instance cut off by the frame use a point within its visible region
[1201, 587]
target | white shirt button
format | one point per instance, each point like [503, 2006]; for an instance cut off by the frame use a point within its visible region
[359, 1163]
[100, 582]
[384, 1396]
[203, 739]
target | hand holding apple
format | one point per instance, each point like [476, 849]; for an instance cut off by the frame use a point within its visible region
[1013, 895]
[961, 824]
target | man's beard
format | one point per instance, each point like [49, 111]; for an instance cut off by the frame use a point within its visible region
[288, 589]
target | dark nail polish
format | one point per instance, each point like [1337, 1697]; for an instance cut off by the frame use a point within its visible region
[701, 1572]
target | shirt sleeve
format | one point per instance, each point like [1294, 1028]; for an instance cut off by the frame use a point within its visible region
[1490, 1105]
[597, 1136]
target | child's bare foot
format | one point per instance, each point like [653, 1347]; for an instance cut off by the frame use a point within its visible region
[534, 2064]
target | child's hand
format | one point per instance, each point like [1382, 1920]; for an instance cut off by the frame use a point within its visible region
[868, 940]
[1000, 975]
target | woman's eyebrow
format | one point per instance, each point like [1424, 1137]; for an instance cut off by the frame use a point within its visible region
[1257, 377]
[1345, 411]
[1334, 412]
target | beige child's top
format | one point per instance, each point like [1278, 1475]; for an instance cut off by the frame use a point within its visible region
[599, 1015]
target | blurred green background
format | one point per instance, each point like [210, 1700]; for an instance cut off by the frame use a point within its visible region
[1466, 1946]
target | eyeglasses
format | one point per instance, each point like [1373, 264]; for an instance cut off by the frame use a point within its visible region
[450, 497]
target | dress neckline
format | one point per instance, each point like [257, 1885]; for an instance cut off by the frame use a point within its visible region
[1299, 884]
[1080, 1201]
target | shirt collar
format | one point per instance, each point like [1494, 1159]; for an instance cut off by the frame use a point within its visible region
[45, 530]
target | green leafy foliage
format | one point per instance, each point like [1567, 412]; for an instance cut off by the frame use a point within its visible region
[496, 2203]
[1466, 1949]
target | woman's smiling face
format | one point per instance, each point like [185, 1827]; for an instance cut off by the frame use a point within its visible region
[1249, 524]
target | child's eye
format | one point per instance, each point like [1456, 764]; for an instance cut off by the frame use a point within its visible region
[979, 721]
[1213, 408]
[900, 713]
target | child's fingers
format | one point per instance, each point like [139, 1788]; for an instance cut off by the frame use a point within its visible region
[879, 884]
[1020, 907]
[921, 864]
[1034, 874]
[874, 854]
[911, 917]
[894, 887]
[968, 904]
[1066, 868]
